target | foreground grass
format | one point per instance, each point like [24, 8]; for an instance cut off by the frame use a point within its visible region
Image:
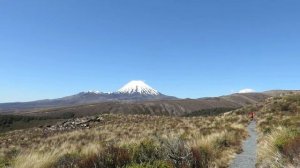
[130, 141]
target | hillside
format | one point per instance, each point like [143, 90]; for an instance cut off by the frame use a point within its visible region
[278, 124]
[141, 100]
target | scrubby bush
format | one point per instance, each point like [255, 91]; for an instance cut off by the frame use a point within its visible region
[89, 161]
[283, 140]
[280, 148]
[115, 157]
[202, 156]
[156, 164]
[291, 149]
[177, 151]
[110, 157]
[67, 161]
[146, 152]
[4, 162]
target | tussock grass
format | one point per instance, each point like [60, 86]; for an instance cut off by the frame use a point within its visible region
[133, 141]
[279, 128]
[280, 148]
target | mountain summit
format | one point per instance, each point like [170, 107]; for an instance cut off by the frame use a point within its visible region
[137, 87]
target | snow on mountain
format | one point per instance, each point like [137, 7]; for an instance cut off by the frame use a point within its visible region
[138, 87]
[93, 91]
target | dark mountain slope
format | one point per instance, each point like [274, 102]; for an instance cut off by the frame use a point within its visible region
[158, 107]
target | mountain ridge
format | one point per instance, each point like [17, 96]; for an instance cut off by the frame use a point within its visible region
[177, 107]
[137, 94]
[133, 91]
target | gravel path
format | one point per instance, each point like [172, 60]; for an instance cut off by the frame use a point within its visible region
[247, 158]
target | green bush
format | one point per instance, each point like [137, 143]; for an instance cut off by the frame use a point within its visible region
[266, 130]
[155, 164]
[4, 162]
[283, 139]
[146, 152]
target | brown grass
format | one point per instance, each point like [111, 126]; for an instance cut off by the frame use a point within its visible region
[131, 141]
[279, 128]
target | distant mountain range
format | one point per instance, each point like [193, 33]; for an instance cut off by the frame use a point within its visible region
[132, 91]
[178, 107]
[136, 97]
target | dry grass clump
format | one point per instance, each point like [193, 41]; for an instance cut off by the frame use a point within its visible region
[217, 149]
[132, 141]
[47, 156]
[280, 149]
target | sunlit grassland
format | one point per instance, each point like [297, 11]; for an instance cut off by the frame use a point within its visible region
[130, 141]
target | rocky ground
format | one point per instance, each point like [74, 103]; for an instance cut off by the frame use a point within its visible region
[70, 124]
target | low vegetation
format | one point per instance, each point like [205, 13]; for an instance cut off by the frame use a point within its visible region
[138, 141]
[13, 122]
[209, 112]
[279, 127]
[131, 141]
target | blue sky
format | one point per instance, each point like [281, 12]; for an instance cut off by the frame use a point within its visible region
[191, 48]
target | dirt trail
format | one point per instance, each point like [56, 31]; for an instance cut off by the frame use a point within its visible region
[247, 158]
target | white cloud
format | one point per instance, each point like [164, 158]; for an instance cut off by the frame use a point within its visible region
[247, 90]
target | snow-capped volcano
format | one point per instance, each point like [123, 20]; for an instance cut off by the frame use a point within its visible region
[138, 87]
[131, 92]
